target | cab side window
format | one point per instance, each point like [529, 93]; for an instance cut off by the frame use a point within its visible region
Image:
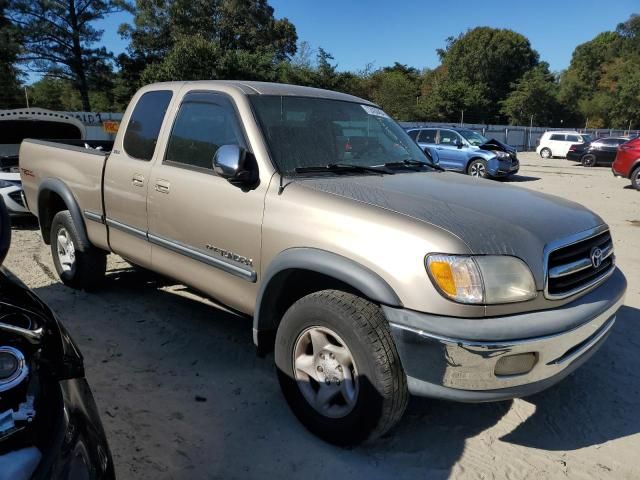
[204, 123]
[558, 137]
[144, 125]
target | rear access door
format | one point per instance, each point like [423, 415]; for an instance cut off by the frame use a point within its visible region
[127, 173]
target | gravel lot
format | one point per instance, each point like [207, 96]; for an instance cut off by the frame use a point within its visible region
[183, 396]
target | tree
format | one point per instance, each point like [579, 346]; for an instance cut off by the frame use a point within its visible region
[396, 89]
[9, 49]
[490, 59]
[533, 96]
[247, 27]
[59, 38]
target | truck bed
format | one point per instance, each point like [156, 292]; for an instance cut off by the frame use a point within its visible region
[81, 168]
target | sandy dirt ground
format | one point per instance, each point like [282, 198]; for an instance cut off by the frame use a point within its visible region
[183, 396]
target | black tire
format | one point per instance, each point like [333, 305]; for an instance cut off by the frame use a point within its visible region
[589, 160]
[546, 153]
[382, 396]
[635, 178]
[478, 168]
[87, 268]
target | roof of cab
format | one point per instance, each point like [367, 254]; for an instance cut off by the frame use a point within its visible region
[280, 89]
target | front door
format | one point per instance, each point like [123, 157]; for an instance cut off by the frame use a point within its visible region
[205, 231]
[126, 177]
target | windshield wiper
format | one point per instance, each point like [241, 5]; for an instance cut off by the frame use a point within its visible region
[342, 167]
[413, 163]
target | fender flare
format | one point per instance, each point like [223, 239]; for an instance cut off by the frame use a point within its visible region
[54, 185]
[324, 262]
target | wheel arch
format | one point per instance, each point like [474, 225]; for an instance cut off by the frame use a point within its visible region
[299, 271]
[55, 196]
[633, 168]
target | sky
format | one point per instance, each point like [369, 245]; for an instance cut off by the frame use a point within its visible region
[382, 32]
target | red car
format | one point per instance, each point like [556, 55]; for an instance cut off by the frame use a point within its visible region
[627, 162]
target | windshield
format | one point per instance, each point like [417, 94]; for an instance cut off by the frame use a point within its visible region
[305, 132]
[474, 138]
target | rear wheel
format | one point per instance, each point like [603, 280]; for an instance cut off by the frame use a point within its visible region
[81, 269]
[339, 369]
[589, 160]
[545, 153]
[635, 178]
[478, 168]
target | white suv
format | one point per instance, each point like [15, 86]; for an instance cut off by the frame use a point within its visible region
[556, 144]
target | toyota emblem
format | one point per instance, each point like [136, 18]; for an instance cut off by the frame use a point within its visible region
[596, 257]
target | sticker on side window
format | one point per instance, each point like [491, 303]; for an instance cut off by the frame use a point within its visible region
[374, 111]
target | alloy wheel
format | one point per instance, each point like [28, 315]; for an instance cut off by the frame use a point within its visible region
[66, 250]
[478, 170]
[325, 372]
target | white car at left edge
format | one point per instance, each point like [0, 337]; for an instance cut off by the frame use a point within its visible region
[15, 126]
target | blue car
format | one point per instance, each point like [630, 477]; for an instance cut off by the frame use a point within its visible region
[463, 150]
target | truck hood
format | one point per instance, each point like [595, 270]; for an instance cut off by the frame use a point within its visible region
[497, 145]
[491, 218]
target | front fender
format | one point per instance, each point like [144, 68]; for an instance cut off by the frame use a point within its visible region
[340, 268]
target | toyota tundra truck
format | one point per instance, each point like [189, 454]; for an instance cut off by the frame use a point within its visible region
[369, 272]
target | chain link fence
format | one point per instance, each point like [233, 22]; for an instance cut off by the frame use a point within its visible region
[523, 138]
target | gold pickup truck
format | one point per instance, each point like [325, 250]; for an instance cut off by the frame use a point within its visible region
[369, 271]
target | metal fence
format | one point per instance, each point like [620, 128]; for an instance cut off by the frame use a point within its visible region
[522, 138]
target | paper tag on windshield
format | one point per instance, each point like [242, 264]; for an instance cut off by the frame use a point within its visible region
[374, 111]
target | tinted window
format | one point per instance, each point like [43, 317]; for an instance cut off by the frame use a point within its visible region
[413, 134]
[427, 136]
[144, 125]
[204, 122]
[447, 137]
[613, 142]
[557, 137]
[574, 139]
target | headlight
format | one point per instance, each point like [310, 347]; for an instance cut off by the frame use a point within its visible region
[501, 155]
[6, 184]
[486, 279]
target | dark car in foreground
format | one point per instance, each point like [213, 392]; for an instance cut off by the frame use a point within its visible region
[600, 152]
[627, 162]
[466, 151]
[49, 423]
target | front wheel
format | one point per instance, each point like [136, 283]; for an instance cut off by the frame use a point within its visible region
[635, 178]
[478, 168]
[339, 369]
[589, 160]
[80, 269]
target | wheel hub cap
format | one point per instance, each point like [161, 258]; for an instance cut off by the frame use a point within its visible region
[325, 372]
[66, 250]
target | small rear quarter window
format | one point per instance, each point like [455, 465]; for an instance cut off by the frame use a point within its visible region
[144, 125]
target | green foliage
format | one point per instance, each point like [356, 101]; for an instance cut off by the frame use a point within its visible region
[534, 96]
[489, 60]
[603, 79]
[10, 94]
[235, 32]
[58, 39]
[396, 90]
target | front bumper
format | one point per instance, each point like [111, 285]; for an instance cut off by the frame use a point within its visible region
[455, 359]
[502, 168]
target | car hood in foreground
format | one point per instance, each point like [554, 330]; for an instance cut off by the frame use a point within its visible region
[491, 218]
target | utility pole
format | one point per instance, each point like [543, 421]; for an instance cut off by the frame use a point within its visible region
[530, 133]
[629, 130]
[26, 96]
[461, 117]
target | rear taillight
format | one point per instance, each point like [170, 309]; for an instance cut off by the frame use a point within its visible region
[572, 148]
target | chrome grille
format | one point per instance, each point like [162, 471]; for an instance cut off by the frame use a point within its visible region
[570, 268]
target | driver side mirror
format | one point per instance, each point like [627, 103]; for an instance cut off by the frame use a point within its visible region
[459, 143]
[233, 163]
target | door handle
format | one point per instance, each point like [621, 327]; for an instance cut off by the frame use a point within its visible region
[138, 180]
[162, 186]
